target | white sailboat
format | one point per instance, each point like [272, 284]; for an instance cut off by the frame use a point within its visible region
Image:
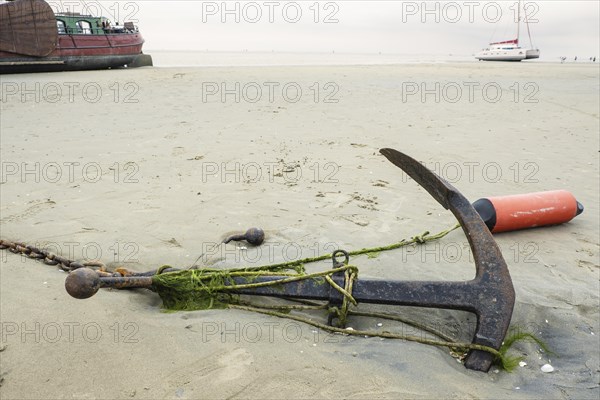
[510, 50]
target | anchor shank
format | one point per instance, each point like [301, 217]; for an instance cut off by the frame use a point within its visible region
[309, 289]
[449, 295]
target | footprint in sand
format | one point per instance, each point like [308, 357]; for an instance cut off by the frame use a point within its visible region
[366, 202]
[356, 219]
[589, 265]
[34, 207]
[220, 367]
[177, 151]
[380, 183]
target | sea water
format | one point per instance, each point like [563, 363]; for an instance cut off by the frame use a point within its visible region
[224, 59]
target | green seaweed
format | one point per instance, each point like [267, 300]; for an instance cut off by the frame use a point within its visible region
[516, 335]
[203, 289]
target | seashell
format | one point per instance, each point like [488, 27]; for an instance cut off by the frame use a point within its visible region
[547, 368]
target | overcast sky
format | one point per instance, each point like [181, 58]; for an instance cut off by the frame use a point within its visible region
[400, 27]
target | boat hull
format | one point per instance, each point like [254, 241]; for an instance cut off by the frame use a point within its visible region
[80, 52]
[508, 59]
[531, 54]
[98, 45]
[502, 55]
[18, 65]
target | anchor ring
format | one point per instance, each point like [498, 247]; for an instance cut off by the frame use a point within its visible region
[334, 256]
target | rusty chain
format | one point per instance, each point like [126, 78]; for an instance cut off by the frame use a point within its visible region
[48, 257]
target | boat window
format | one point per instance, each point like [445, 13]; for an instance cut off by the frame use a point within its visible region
[60, 25]
[84, 27]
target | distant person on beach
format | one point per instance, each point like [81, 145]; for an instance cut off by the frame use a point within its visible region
[575, 58]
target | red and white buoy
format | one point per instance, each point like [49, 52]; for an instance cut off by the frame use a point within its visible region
[521, 211]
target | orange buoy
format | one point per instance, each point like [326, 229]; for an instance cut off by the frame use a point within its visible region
[521, 211]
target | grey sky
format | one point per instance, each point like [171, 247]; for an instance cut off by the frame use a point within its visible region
[463, 27]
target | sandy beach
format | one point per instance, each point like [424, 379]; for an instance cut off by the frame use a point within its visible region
[153, 166]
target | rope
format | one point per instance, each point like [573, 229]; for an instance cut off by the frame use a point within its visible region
[206, 288]
[419, 239]
[387, 335]
[195, 289]
[207, 285]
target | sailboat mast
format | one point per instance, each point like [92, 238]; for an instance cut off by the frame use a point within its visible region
[519, 22]
[528, 30]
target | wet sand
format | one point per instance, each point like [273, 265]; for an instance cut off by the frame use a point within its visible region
[154, 166]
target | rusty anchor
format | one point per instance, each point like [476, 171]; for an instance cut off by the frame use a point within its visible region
[490, 295]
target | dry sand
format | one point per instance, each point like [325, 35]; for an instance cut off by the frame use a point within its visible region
[178, 173]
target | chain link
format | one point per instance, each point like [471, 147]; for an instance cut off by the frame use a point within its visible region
[48, 257]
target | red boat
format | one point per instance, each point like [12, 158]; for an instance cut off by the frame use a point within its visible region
[33, 39]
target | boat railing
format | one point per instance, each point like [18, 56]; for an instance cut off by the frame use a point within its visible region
[97, 31]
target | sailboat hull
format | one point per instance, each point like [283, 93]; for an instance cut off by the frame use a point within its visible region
[517, 54]
[532, 53]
